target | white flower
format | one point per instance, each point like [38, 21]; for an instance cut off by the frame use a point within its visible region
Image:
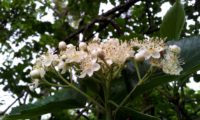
[87, 58]
[94, 48]
[171, 64]
[47, 59]
[61, 66]
[152, 48]
[136, 43]
[116, 52]
[152, 53]
[156, 62]
[71, 55]
[88, 67]
[76, 56]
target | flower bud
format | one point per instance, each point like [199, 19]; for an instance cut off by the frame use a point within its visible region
[109, 62]
[139, 57]
[63, 57]
[70, 46]
[62, 45]
[100, 54]
[31, 88]
[175, 49]
[82, 46]
[96, 39]
[35, 73]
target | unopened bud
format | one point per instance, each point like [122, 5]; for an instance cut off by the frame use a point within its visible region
[82, 46]
[175, 48]
[109, 62]
[63, 57]
[70, 46]
[96, 39]
[101, 55]
[35, 73]
[62, 45]
[139, 57]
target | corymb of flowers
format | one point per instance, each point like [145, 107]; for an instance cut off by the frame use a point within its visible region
[101, 56]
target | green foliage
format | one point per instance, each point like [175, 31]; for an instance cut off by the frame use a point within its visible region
[76, 6]
[173, 22]
[19, 21]
[69, 97]
[128, 113]
[64, 99]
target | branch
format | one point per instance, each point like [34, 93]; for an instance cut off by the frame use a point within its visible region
[106, 21]
[123, 7]
[3, 112]
[80, 113]
[115, 12]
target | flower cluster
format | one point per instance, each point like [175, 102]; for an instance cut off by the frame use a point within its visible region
[99, 55]
[158, 54]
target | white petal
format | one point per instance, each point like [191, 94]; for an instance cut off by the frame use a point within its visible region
[109, 62]
[48, 62]
[131, 53]
[96, 67]
[61, 65]
[145, 53]
[64, 70]
[82, 46]
[156, 55]
[83, 74]
[90, 72]
[42, 72]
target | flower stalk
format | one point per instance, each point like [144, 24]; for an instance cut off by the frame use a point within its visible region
[107, 104]
[80, 91]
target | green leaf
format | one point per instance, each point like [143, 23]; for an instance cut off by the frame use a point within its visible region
[152, 83]
[113, 2]
[173, 22]
[89, 86]
[196, 77]
[64, 99]
[128, 113]
[118, 90]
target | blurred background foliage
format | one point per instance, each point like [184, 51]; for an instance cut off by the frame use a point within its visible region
[24, 35]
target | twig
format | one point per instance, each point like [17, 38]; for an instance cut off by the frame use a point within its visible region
[80, 113]
[3, 112]
[115, 12]
[123, 7]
